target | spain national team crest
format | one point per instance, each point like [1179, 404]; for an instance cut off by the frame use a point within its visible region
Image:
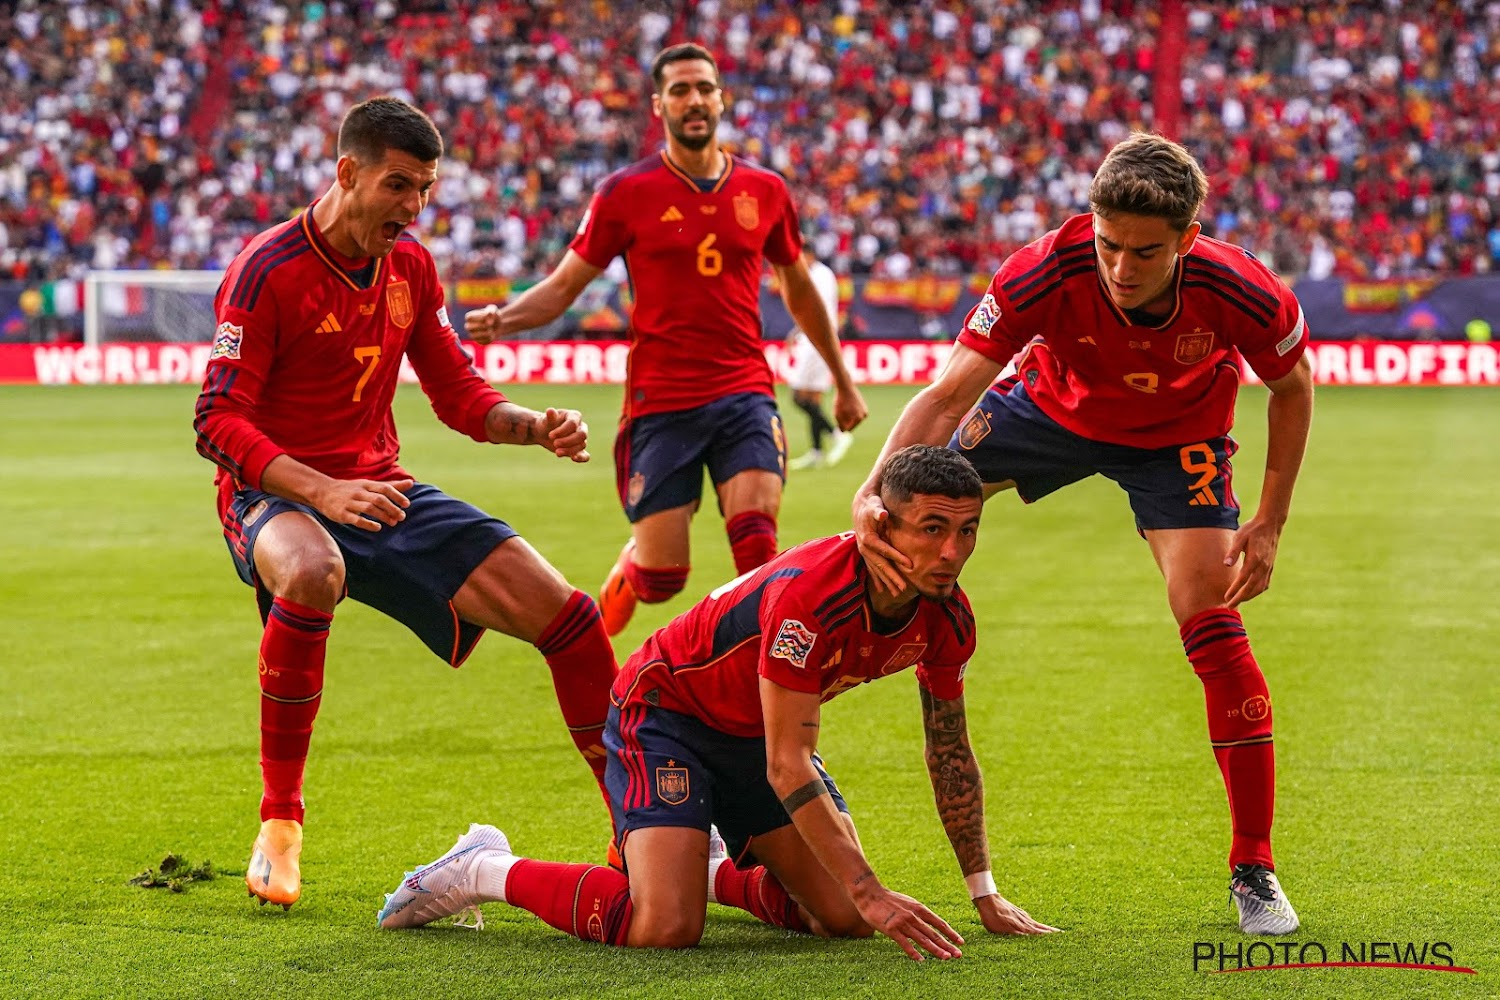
[636, 489]
[907, 654]
[975, 429]
[398, 301]
[747, 210]
[1193, 347]
[672, 784]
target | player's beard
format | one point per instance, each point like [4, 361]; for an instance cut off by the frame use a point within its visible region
[694, 142]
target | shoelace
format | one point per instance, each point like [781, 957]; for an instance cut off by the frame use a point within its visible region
[1254, 877]
[475, 921]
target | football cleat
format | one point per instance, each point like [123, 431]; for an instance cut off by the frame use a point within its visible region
[275, 872]
[612, 856]
[716, 849]
[617, 597]
[842, 442]
[810, 460]
[448, 887]
[1264, 908]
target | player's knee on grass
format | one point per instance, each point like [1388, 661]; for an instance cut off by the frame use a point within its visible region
[665, 930]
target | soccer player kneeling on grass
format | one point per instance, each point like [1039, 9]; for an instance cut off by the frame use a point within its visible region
[715, 721]
[315, 316]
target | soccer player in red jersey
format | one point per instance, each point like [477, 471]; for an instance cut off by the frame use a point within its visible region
[694, 225]
[1127, 328]
[716, 719]
[315, 315]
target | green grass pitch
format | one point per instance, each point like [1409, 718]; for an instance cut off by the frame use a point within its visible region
[128, 706]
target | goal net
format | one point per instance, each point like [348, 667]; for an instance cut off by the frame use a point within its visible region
[145, 306]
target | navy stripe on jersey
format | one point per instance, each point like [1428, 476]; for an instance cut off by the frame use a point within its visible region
[1261, 316]
[840, 600]
[216, 388]
[742, 621]
[844, 618]
[1086, 267]
[637, 168]
[1021, 284]
[252, 276]
[1235, 278]
[961, 619]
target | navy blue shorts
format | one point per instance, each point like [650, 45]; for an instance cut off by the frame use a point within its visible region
[670, 769]
[410, 570]
[659, 458]
[1008, 437]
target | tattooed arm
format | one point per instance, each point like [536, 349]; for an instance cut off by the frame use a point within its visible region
[960, 803]
[561, 432]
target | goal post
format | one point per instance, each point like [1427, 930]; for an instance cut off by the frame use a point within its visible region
[149, 306]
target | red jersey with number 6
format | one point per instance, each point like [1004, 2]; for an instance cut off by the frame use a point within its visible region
[1150, 384]
[307, 355]
[801, 621]
[695, 253]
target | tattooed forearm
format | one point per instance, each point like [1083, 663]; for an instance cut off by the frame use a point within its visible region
[956, 782]
[512, 424]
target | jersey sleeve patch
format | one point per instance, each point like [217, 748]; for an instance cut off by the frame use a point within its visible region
[1292, 339]
[227, 341]
[442, 316]
[984, 316]
[793, 643]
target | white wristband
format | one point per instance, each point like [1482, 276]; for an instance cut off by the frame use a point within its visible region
[981, 884]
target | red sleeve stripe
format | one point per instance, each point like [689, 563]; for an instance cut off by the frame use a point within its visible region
[1021, 284]
[216, 388]
[246, 290]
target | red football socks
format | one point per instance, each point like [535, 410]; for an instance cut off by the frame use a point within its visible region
[587, 901]
[653, 586]
[292, 651]
[583, 667]
[1239, 727]
[752, 539]
[757, 891]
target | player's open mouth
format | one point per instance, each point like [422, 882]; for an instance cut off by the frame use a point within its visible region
[391, 230]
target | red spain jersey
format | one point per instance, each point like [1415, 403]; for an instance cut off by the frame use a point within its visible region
[695, 259]
[307, 353]
[1102, 376]
[803, 621]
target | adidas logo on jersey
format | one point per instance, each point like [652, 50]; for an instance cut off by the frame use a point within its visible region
[671, 214]
[330, 324]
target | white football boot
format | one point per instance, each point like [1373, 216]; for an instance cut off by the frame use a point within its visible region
[1264, 908]
[448, 886]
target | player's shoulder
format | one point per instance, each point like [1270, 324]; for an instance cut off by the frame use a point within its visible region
[1032, 274]
[1233, 277]
[757, 173]
[954, 618]
[267, 258]
[409, 247]
[829, 582]
[632, 174]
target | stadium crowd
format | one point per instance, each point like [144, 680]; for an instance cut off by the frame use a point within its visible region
[1346, 139]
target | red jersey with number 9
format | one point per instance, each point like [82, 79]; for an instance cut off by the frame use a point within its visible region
[695, 253]
[307, 355]
[1147, 382]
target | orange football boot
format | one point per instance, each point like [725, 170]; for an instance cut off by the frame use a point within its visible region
[275, 874]
[617, 598]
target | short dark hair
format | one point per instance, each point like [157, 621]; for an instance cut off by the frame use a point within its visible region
[926, 468]
[680, 53]
[1149, 175]
[382, 123]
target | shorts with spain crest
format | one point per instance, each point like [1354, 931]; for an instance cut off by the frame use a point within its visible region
[660, 457]
[1008, 438]
[670, 769]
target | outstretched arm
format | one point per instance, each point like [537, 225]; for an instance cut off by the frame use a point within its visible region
[792, 719]
[540, 304]
[960, 803]
[806, 306]
[930, 418]
[1289, 418]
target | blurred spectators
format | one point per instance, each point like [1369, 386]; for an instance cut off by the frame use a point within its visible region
[1344, 139]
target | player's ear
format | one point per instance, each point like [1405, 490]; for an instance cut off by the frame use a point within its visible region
[1189, 237]
[346, 170]
[656, 105]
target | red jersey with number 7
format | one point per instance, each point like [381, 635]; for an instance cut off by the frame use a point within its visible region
[695, 252]
[1122, 378]
[802, 621]
[307, 356]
